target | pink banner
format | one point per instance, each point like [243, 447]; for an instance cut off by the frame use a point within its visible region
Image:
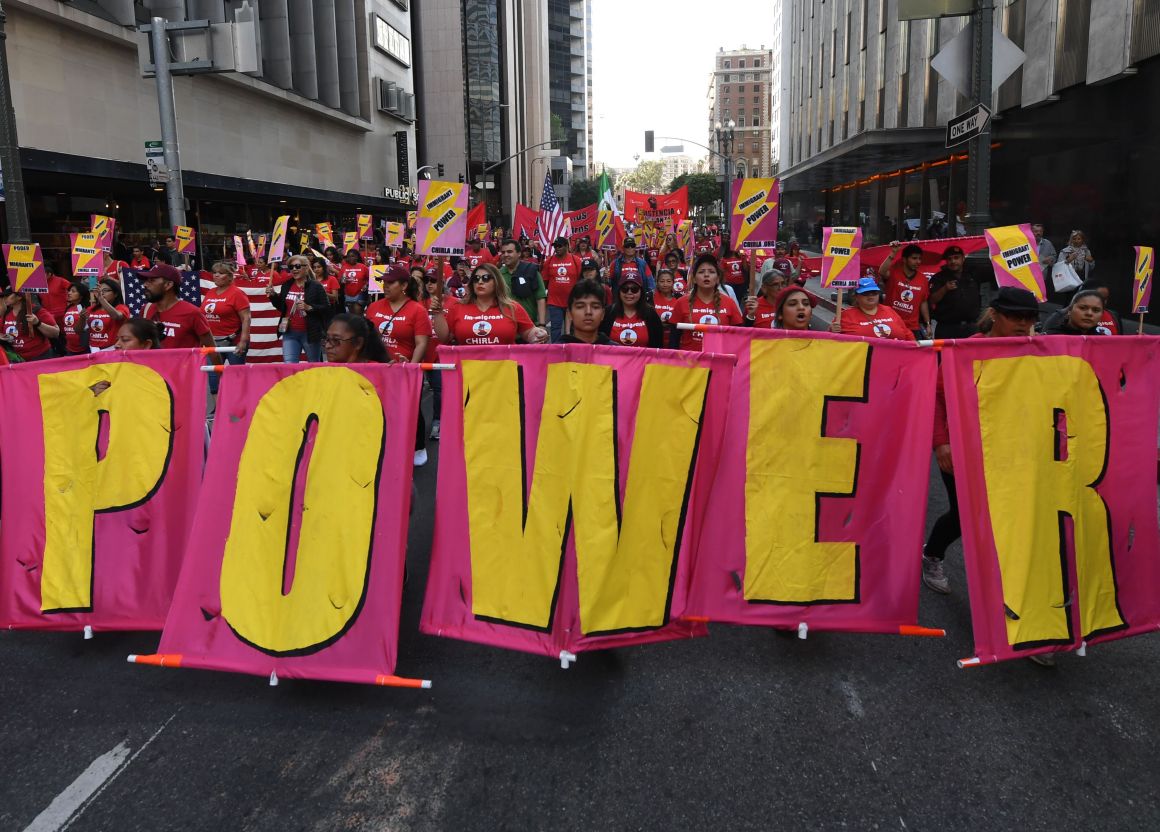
[295, 562]
[556, 530]
[1054, 445]
[818, 510]
[96, 538]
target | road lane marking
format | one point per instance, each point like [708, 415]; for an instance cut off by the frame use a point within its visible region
[71, 803]
[853, 700]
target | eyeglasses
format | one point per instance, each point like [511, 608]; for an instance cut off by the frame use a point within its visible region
[481, 278]
[296, 266]
[334, 340]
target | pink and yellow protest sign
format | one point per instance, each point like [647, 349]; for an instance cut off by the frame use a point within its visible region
[687, 240]
[365, 227]
[441, 224]
[595, 552]
[25, 264]
[1142, 279]
[295, 558]
[412, 216]
[604, 236]
[1054, 446]
[840, 260]
[100, 542]
[753, 215]
[325, 234]
[278, 240]
[375, 278]
[261, 245]
[349, 241]
[394, 232]
[805, 440]
[86, 255]
[184, 237]
[239, 251]
[103, 227]
[1015, 256]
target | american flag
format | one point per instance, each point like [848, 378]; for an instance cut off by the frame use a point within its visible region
[134, 291]
[265, 342]
[552, 222]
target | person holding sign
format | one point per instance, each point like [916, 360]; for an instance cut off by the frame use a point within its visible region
[106, 314]
[488, 315]
[74, 319]
[633, 322]
[706, 304]
[354, 275]
[761, 309]
[305, 312]
[26, 329]
[870, 319]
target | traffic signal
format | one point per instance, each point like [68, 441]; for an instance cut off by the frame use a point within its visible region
[440, 170]
[648, 141]
[461, 178]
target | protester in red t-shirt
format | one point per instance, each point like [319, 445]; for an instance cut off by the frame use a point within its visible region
[106, 314]
[477, 254]
[74, 319]
[665, 304]
[110, 267]
[488, 315]
[560, 272]
[869, 318]
[705, 305]
[794, 308]
[907, 291]
[760, 310]
[183, 324]
[736, 269]
[28, 331]
[57, 298]
[680, 273]
[139, 260]
[227, 311]
[632, 322]
[328, 281]
[400, 318]
[353, 274]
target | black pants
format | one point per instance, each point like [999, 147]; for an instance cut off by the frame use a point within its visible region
[955, 329]
[947, 528]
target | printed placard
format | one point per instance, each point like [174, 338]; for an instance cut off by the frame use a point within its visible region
[25, 263]
[1142, 279]
[1015, 256]
[441, 226]
[753, 215]
[841, 247]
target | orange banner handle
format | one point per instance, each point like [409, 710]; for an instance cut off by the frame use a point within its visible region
[401, 682]
[157, 659]
[695, 619]
[915, 630]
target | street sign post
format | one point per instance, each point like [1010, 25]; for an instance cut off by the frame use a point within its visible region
[974, 122]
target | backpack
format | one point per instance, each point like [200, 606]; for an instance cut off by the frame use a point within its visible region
[523, 286]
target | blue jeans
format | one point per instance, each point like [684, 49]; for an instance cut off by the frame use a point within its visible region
[230, 358]
[293, 343]
[556, 323]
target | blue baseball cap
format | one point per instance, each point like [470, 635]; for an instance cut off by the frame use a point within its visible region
[866, 285]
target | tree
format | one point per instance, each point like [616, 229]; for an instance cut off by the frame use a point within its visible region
[644, 179]
[704, 189]
[559, 136]
[583, 193]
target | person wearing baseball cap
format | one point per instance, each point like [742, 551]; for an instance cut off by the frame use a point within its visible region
[1012, 314]
[183, 325]
[627, 263]
[632, 321]
[560, 271]
[870, 319]
[955, 299]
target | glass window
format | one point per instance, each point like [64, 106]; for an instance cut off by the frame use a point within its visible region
[741, 64]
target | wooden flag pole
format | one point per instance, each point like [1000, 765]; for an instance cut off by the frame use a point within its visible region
[753, 287]
[1140, 329]
[838, 311]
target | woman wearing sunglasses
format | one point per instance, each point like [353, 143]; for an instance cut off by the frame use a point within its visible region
[487, 315]
[633, 322]
[305, 312]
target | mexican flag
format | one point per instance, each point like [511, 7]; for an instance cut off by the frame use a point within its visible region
[607, 202]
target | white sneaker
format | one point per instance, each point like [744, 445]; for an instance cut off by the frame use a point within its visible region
[933, 575]
[435, 429]
[420, 458]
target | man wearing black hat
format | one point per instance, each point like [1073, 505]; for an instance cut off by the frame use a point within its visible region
[560, 272]
[627, 263]
[954, 297]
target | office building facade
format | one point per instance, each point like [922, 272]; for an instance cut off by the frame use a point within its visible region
[865, 114]
[570, 78]
[321, 128]
[740, 91]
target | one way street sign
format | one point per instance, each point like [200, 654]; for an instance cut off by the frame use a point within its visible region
[970, 124]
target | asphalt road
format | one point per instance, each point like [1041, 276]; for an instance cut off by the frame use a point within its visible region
[743, 730]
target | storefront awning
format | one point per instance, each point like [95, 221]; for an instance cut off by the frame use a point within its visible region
[863, 155]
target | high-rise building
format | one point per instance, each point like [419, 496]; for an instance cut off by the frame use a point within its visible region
[676, 163]
[482, 78]
[322, 129]
[570, 78]
[740, 92]
[865, 118]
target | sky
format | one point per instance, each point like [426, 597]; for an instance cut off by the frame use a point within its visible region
[651, 64]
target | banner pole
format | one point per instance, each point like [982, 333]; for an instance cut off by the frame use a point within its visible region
[838, 310]
[753, 287]
[1140, 328]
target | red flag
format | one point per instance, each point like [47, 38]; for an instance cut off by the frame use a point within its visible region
[524, 222]
[666, 210]
[476, 217]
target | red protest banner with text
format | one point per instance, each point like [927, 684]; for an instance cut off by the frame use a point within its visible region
[665, 210]
[819, 506]
[583, 224]
[566, 530]
[295, 563]
[96, 538]
[1054, 445]
[524, 222]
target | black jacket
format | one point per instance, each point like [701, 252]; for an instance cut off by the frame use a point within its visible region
[318, 318]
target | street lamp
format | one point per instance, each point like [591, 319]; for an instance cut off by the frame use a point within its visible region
[724, 136]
